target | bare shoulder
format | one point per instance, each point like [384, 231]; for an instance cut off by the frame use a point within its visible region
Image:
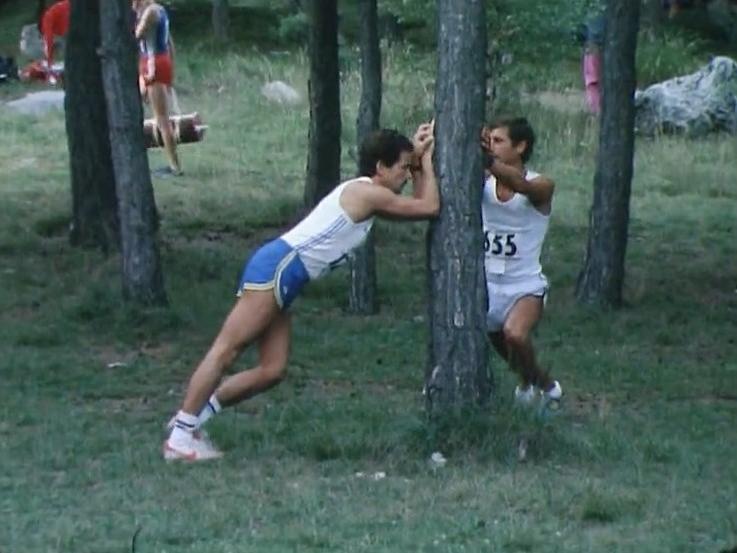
[359, 187]
[151, 13]
[545, 185]
[541, 193]
[542, 179]
[360, 196]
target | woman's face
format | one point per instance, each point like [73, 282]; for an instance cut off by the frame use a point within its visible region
[396, 175]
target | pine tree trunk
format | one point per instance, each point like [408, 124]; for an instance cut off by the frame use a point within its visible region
[363, 298]
[142, 275]
[457, 374]
[220, 19]
[653, 13]
[94, 205]
[602, 278]
[323, 161]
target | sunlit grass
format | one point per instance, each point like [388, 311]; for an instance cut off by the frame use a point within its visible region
[638, 460]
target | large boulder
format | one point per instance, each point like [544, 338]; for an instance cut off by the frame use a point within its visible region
[281, 93]
[696, 104]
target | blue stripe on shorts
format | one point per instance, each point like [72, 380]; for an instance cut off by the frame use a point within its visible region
[275, 265]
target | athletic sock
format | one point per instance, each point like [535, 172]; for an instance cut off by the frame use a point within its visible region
[184, 425]
[212, 407]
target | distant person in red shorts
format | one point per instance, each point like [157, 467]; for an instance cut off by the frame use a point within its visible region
[156, 73]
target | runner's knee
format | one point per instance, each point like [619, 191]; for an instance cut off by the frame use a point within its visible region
[515, 336]
[225, 353]
[274, 371]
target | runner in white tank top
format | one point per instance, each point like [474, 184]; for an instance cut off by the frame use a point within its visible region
[514, 232]
[277, 272]
[516, 208]
[327, 235]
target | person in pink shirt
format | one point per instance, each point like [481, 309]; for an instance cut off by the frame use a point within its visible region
[592, 35]
[592, 77]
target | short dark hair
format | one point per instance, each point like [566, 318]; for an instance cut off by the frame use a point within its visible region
[385, 145]
[519, 130]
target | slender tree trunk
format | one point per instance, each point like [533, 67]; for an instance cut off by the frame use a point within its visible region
[142, 275]
[323, 161]
[40, 9]
[363, 298]
[94, 205]
[653, 13]
[220, 19]
[602, 278]
[457, 373]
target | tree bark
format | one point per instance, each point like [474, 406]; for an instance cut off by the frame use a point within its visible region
[323, 161]
[653, 13]
[363, 298]
[602, 278]
[457, 373]
[142, 275]
[94, 205]
[40, 9]
[220, 20]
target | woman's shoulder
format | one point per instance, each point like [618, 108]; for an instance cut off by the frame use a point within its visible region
[356, 182]
[152, 11]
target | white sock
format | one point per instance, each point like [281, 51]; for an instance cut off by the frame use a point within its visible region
[184, 425]
[212, 407]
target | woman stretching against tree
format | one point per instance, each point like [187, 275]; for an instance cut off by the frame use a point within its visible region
[278, 271]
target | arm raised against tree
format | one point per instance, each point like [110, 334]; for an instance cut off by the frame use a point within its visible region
[539, 190]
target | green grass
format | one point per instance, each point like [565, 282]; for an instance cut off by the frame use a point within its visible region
[640, 458]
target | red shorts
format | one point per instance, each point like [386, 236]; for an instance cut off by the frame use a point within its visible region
[163, 69]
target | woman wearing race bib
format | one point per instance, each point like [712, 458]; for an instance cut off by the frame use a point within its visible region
[277, 272]
[516, 208]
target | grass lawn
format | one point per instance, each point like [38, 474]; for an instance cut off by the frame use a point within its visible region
[641, 457]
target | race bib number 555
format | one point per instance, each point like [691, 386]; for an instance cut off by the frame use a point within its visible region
[499, 244]
[498, 247]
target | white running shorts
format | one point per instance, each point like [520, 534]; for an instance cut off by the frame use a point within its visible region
[503, 295]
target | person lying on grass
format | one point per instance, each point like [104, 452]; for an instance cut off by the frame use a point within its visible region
[278, 271]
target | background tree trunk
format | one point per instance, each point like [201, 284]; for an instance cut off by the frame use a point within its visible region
[363, 298]
[220, 20]
[653, 13]
[94, 205]
[323, 161]
[457, 373]
[142, 275]
[602, 277]
[40, 9]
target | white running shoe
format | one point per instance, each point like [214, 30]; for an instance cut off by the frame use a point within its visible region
[526, 397]
[199, 433]
[191, 449]
[552, 397]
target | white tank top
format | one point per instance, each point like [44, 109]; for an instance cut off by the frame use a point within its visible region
[327, 235]
[514, 232]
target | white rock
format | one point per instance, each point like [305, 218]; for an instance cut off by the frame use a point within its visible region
[31, 43]
[437, 459]
[694, 104]
[281, 93]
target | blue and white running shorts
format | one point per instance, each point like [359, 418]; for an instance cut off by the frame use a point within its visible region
[275, 265]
